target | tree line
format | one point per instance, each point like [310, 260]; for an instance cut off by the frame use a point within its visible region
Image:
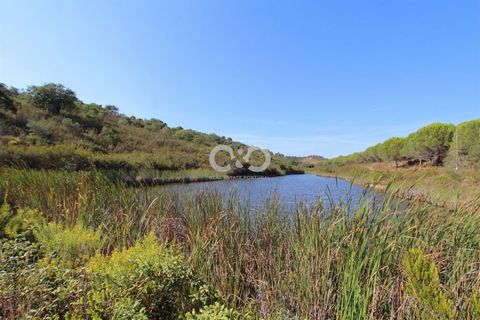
[434, 144]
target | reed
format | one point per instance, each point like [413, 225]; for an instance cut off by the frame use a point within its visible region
[321, 262]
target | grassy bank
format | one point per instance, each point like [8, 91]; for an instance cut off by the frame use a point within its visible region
[374, 263]
[441, 186]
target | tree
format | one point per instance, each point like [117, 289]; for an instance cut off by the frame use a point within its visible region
[393, 149]
[431, 142]
[6, 101]
[112, 109]
[374, 153]
[53, 97]
[468, 141]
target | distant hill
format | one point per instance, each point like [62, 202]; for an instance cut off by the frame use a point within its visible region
[312, 159]
[307, 160]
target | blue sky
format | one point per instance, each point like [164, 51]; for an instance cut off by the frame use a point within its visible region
[297, 77]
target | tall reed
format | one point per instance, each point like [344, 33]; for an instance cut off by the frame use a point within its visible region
[322, 261]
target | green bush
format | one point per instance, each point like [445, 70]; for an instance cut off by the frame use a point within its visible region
[41, 128]
[423, 283]
[5, 216]
[33, 288]
[148, 279]
[214, 311]
[46, 280]
[17, 272]
[69, 246]
[19, 223]
[475, 305]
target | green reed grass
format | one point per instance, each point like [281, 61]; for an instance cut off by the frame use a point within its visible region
[322, 262]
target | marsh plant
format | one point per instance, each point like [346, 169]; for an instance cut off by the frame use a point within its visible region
[148, 253]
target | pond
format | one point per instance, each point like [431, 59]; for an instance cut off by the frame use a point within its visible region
[289, 190]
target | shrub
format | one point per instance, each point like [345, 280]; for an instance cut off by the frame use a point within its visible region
[17, 266]
[17, 273]
[5, 216]
[33, 290]
[6, 99]
[41, 128]
[52, 157]
[475, 305]
[20, 223]
[214, 311]
[423, 283]
[69, 246]
[146, 279]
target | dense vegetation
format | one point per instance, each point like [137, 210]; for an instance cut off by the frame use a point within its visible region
[92, 249]
[434, 143]
[77, 244]
[441, 186]
[438, 163]
[48, 127]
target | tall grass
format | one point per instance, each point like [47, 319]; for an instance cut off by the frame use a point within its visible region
[440, 186]
[320, 262]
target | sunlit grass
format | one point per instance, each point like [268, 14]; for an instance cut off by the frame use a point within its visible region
[316, 262]
[441, 186]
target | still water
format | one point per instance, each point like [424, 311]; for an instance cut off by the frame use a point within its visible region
[289, 190]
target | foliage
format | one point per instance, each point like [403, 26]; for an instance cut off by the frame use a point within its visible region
[475, 304]
[317, 261]
[423, 282]
[53, 97]
[50, 128]
[19, 223]
[5, 216]
[41, 128]
[215, 311]
[17, 270]
[38, 290]
[468, 143]
[431, 142]
[6, 99]
[146, 279]
[393, 149]
[70, 246]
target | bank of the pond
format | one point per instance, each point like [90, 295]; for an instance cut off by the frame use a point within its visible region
[439, 186]
[289, 190]
[136, 249]
[159, 181]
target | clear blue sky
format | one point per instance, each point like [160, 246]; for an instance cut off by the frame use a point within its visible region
[298, 77]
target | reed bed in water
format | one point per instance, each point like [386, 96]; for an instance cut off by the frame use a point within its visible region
[315, 262]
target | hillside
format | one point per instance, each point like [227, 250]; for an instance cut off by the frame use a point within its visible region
[49, 127]
[438, 164]
[312, 159]
[437, 144]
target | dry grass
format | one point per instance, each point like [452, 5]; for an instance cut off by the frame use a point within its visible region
[441, 186]
[315, 263]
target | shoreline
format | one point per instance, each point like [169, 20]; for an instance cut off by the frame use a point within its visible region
[409, 184]
[152, 182]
